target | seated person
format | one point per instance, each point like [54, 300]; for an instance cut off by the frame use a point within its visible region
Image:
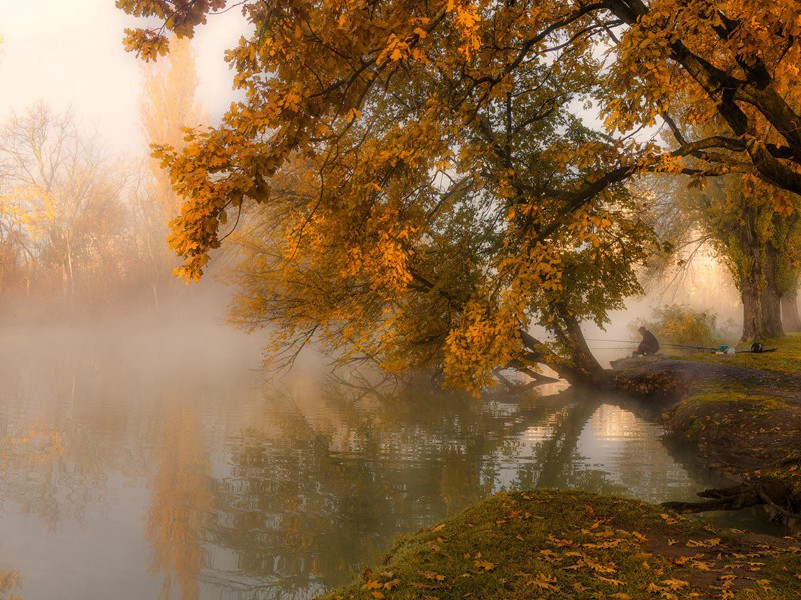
[649, 344]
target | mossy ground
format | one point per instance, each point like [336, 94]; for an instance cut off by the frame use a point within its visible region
[786, 359]
[563, 544]
[747, 421]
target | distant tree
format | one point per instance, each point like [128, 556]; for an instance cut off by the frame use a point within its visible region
[15, 245]
[62, 199]
[167, 106]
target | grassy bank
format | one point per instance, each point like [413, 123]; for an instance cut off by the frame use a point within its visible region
[560, 544]
[746, 419]
[744, 412]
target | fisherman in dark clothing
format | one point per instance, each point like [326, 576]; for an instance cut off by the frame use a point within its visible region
[649, 344]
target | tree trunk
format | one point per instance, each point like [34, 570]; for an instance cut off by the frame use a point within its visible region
[579, 366]
[752, 311]
[790, 318]
[771, 305]
[580, 353]
[69, 270]
[758, 286]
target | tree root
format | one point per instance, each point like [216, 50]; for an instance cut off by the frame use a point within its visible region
[770, 491]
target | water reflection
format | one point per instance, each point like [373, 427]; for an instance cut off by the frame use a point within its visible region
[10, 585]
[181, 502]
[187, 478]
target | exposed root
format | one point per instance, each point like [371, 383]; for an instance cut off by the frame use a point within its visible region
[769, 491]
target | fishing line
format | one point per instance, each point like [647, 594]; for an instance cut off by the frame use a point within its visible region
[664, 345]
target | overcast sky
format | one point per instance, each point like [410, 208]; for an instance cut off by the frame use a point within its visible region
[69, 52]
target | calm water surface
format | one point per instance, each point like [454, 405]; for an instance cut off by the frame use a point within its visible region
[132, 468]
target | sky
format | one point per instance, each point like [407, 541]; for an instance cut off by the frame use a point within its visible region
[70, 53]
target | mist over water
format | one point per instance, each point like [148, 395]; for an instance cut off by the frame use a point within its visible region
[148, 455]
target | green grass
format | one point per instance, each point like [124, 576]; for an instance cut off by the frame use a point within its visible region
[786, 359]
[750, 422]
[560, 544]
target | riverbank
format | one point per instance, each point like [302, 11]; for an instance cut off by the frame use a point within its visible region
[744, 413]
[566, 544]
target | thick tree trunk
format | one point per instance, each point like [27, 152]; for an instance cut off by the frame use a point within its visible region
[581, 355]
[771, 304]
[758, 287]
[752, 311]
[790, 318]
[579, 366]
[761, 312]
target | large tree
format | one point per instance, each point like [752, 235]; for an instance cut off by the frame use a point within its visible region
[755, 231]
[460, 116]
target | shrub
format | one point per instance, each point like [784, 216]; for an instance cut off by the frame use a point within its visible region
[683, 325]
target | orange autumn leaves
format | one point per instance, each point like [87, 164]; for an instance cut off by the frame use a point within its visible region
[553, 544]
[452, 193]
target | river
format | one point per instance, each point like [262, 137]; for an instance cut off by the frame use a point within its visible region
[136, 465]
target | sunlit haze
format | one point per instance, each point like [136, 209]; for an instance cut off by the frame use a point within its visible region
[454, 299]
[70, 53]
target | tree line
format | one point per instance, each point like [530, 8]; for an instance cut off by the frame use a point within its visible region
[78, 224]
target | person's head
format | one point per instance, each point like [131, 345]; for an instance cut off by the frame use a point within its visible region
[642, 330]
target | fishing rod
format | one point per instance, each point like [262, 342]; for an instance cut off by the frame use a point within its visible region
[680, 347]
[666, 345]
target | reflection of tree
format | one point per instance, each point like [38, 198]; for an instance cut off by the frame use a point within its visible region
[10, 585]
[54, 454]
[556, 457]
[181, 502]
[315, 488]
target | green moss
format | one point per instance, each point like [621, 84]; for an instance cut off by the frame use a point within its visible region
[560, 544]
[728, 398]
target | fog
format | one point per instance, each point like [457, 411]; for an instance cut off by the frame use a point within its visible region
[95, 271]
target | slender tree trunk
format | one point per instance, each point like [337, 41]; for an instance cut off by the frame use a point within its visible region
[69, 270]
[790, 319]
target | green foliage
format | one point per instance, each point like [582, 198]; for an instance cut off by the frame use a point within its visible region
[683, 325]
